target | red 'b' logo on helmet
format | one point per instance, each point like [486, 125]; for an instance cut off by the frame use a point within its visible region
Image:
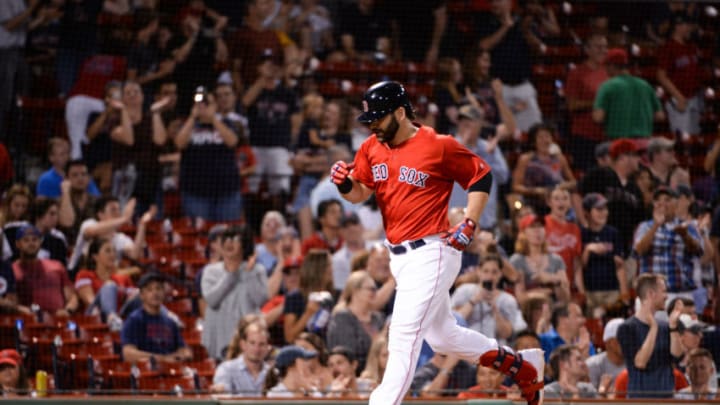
[365, 106]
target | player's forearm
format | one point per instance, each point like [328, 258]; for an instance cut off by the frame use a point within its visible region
[476, 204]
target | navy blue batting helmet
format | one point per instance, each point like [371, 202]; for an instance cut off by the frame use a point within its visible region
[383, 98]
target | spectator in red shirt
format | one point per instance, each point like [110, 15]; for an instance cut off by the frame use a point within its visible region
[679, 74]
[328, 235]
[563, 237]
[41, 281]
[582, 85]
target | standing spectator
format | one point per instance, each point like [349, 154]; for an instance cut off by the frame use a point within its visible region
[148, 333]
[136, 148]
[605, 366]
[483, 87]
[542, 20]
[582, 85]
[76, 203]
[625, 200]
[663, 164]
[648, 344]
[352, 233]
[541, 169]
[667, 246]
[569, 370]
[563, 237]
[354, 323]
[98, 149]
[363, 30]
[227, 109]
[625, 104]
[148, 63]
[41, 281]
[419, 28]
[245, 374]
[78, 40]
[232, 288]
[270, 104]
[209, 179]
[701, 370]
[602, 255]
[510, 40]
[448, 94]
[328, 234]
[680, 75]
[14, 19]
[344, 367]
[485, 307]
[49, 182]
[568, 327]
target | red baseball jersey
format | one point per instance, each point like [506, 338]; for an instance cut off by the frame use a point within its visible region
[413, 180]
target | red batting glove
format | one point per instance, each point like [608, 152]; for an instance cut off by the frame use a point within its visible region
[340, 171]
[461, 234]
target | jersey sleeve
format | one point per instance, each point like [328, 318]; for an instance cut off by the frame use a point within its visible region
[460, 164]
[362, 171]
[83, 278]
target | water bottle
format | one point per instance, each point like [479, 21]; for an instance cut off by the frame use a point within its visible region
[41, 383]
[168, 230]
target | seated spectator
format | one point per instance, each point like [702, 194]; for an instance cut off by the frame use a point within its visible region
[353, 233]
[328, 234]
[266, 251]
[288, 378]
[320, 374]
[569, 369]
[245, 374]
[309, 307]
[13, 375]
[487, 308]
[536, 311]
[667, 246]
[346, 383]
[568, 325]
[278, 288]
[101, 285]
[489, 385]
[49, 182]
[441, 373]
[541, 169]
[538, 269]
[604, 367]
[16, 205]
[232, 288]
[76, 203]
[691, 335]
[663, 164]
[41, 281]
[701, 371]
[148, 333]
[44, 215]
[376, 359]
[108, 218]
[354, 323]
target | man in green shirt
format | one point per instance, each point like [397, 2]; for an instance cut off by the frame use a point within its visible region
[626, 104]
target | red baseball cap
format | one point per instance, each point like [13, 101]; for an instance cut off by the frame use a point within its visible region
[623, 147]
[10, 356]
[617, 56]
[293, 262]
[530, 220]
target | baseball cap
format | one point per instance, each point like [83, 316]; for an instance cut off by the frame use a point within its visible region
[293, 262]
[594, 200]
[684, 190]
[622, 147]
[10, 356]
[216, 231]
[602, 150]
[687, 323]
[610, 331]
[617, 56]
[468, 111]
[288, 354]
[26, 230]
[147, 278]
[658, 144]
[665, 190]
[530, 220]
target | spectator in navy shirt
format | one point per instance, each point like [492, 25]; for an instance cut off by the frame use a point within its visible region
[602, 256]
[44, 215]
[148, 334]
[49, 182]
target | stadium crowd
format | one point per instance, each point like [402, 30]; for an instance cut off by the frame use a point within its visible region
[180, 231]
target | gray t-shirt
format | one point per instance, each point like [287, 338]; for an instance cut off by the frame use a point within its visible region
[585, 389]
[555, 265]
[481, 318]
[237, 380]
[598, 365]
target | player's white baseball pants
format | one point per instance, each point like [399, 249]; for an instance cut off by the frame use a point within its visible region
[422, 310]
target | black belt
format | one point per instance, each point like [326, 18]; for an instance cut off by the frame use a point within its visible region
[401, 249]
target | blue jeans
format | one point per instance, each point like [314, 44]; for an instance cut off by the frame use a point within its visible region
[218, 209]
[105, 299]
[304, 188]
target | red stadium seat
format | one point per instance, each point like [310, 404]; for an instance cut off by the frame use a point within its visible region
[166, 385]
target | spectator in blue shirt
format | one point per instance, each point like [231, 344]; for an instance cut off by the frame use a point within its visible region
[148, 333]
[49, 182]
[568, 327]
[666, 245]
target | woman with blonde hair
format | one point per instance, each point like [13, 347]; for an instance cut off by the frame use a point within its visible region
[309, 307]
[17, 203]
[537, 268]
[354, 323]
[376, 359]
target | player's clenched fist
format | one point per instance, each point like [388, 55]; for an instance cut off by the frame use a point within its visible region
[339, 175]
[461, 234]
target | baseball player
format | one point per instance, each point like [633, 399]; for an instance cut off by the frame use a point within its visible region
[411, 170]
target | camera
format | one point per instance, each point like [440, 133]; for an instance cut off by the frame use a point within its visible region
[201, 95]
[488, 285]
[115, 94]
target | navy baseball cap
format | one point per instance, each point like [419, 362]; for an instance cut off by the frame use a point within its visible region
[665, 190]
[27, 230]
[148, 278]
[288, 354]
[594, 200]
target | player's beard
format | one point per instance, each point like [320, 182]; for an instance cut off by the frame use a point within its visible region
[388, 134]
